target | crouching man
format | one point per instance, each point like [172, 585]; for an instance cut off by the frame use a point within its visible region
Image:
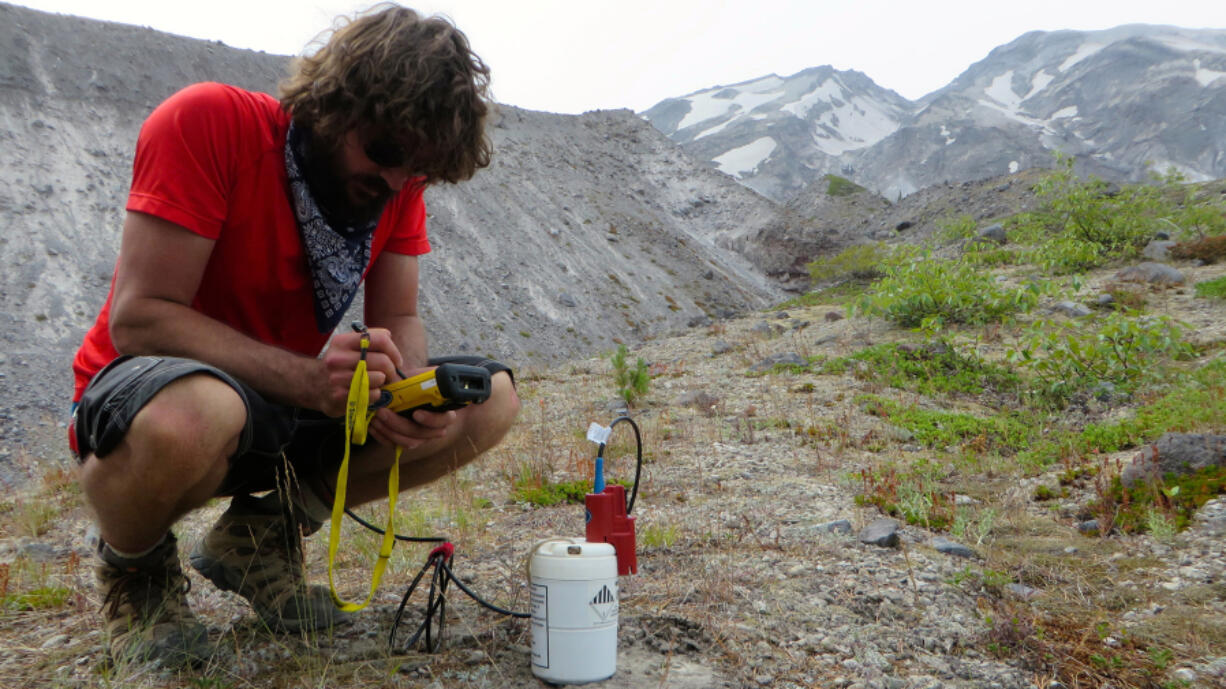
[251, 223]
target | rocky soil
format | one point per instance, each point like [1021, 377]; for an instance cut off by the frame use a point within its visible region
[756, 566]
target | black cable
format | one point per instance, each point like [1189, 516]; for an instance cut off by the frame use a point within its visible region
[638, 465]
[441, 557]
[398, 537]
[436, 602]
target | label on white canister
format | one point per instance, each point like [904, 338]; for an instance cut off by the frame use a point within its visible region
[574, 612]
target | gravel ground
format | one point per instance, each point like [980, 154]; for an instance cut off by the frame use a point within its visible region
[752, 566]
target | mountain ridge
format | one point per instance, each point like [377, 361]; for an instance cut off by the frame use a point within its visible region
[1114, 99]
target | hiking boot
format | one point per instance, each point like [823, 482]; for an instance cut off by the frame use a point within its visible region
[145, 611]
[255, 550]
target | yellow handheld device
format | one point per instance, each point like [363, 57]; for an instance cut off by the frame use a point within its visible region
[450, 386]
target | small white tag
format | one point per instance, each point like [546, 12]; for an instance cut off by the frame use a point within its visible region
[599, 434]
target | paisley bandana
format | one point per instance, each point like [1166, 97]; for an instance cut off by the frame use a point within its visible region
[336, 256]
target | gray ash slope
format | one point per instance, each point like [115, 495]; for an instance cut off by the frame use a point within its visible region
[1119, 100]
[586, 229]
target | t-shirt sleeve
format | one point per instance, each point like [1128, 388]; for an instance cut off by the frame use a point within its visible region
[408, 224]
[185, 159]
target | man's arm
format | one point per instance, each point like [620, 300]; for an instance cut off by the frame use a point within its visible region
[391, 302]
[160, 268]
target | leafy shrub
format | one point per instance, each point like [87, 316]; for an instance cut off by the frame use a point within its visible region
[1065, 255]
[857, 262]
[1123, 350]
[927, 289]
[986, 255]
[1085, 223]
[631, 382]
[1120, 222]
[1193, 216]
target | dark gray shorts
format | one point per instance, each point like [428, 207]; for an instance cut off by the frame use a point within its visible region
[311, 442]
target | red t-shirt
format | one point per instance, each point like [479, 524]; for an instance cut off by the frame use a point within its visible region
[211, 158]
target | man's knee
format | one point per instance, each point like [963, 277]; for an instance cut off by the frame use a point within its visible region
[197, 418]
[502, 388]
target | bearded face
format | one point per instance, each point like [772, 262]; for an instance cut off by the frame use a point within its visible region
[350, 188]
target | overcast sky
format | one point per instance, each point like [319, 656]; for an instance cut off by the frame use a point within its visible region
[571, 56]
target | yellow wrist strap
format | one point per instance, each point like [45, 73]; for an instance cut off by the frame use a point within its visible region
[357, 417]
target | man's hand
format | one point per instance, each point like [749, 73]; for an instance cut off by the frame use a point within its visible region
[341, 359]
[410, 430]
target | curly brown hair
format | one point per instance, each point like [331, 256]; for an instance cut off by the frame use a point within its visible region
[394, 73]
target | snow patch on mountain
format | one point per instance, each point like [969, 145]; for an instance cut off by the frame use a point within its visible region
[742, 98]
[1205, 76]
[826, 92]
[1001, 91]
[858, 123]
[746, 159]
[1038, 83]
[1085, 50]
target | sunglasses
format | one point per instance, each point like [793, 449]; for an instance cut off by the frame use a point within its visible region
[385, 152]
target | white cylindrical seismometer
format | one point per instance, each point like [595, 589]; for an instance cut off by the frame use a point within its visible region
[574, 611]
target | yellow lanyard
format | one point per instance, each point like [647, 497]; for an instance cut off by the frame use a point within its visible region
[357, 417]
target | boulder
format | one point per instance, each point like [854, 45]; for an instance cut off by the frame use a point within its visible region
[1158, 250]
[881, 532]
[1176, 453]
[1151, 273]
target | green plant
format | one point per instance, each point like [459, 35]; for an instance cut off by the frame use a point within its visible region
[1005, 432]
[1196, 401]
[1064, 255]
[1160, 657]
[1176, 498]
[1160, 525]
[860, 262]
[631, 381]
[1123, 350]
[41, 598]
[659, 535]
[912, 496]
[836, 295]
[1212, 289]
[1085, 222]
[841, 186]
[1120, 223]
[549, 494]
[930, 289]
[960, 227]
[934, 367]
